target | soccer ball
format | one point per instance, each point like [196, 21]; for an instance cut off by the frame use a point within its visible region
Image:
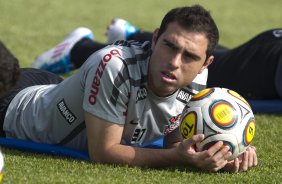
[221, 115]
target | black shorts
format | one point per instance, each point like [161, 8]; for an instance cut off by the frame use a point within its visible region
[250, 68]
[28, 77]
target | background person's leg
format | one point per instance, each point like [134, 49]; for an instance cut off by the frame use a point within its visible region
[82, 50]
[278, 77]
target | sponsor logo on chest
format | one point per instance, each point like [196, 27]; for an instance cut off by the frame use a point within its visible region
[184, 96]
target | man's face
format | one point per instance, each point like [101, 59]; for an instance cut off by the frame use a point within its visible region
[178, 56]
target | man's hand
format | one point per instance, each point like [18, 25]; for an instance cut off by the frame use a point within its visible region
[243, 162]
[213, 159]
[104, 147]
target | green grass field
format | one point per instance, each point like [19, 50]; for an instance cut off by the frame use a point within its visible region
[29, 27]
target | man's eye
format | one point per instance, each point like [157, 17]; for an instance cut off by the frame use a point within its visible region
[172, 46]
[190, 57]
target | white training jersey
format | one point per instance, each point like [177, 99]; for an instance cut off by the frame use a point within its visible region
[112, 85]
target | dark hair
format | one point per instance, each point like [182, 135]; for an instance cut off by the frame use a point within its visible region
[196, 19]
[9, 70]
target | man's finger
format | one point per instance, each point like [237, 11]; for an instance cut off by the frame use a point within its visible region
[193, 140]
[245, 162]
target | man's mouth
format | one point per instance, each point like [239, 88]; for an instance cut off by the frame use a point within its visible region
[169, 75]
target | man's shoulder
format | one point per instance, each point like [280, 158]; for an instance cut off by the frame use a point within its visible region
[134, 47]
[128, 52]
[133, 43]
[128, 58]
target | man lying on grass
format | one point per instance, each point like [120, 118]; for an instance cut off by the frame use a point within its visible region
[125, 96]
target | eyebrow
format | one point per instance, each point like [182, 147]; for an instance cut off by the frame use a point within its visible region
[192, 55]
[187, 53]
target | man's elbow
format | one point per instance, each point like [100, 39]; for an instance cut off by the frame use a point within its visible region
[102, 157]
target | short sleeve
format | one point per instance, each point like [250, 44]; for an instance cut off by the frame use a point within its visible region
[105, 86]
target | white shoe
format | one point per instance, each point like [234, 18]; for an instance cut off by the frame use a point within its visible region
[57, 59]
[119, 29]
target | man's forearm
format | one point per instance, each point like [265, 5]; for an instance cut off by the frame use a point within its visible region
[134, 156]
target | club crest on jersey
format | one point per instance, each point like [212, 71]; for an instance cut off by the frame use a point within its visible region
[184, 96]
[141, 93]
[65, 112]
[173, 124]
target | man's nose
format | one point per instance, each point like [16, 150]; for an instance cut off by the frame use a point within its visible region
[175, 61]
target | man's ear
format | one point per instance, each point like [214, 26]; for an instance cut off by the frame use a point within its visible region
[155, 37]
[207, 63]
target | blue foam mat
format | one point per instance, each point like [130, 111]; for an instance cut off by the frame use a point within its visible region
[58, 150]
[43, 148]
